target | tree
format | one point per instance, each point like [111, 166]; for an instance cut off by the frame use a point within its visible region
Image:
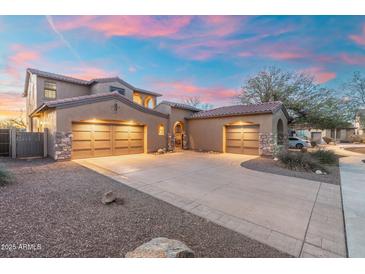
[196, 102]
[305, 100]
[193, 101]
[14, 122]
[355, 89]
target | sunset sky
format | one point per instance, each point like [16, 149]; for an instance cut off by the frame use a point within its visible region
[178, 56]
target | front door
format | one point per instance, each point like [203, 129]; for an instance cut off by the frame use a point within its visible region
[178, 132]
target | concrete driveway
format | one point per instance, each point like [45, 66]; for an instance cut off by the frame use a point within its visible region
[297, 216]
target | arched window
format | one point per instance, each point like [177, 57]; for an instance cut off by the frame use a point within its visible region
[149, 103]
[280, 132]
[161, 129]
[137, 99]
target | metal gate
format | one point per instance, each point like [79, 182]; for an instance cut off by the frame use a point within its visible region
[29, 144]
[4, 142]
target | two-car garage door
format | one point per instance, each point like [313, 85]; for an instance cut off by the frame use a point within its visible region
[97, 140]
[243, 139]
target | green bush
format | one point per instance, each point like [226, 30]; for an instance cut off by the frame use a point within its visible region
[4, 177]
[325, 156]
[299, 161]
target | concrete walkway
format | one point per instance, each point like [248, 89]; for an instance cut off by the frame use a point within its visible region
[300, 217]
[353, 194]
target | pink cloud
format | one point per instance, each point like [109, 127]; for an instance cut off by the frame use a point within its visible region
[11, 101]
[20, 58]
[285, 55]
[138, 26]
[359, 38]
[320, 75]
[179, 90]
[88, 73]
[352, 59]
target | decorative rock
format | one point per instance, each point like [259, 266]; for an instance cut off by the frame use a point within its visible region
[108, 198]
[319, 172]
[161, 248]
[160, 151]
[276, 159]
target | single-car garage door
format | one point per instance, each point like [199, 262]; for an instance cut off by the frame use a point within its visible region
[242, 139]
[98, 140]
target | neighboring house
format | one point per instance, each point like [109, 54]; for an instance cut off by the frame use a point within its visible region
[360, 122]
[109, 116]
[338, 134]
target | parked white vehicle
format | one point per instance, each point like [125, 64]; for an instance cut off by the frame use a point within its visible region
[295, 142]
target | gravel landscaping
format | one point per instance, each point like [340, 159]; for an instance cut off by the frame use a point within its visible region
[54, 210]
[266, 164]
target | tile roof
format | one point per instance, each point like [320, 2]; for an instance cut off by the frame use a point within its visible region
[64, 78]
[89, 99]
[180, 105]
[237, 110]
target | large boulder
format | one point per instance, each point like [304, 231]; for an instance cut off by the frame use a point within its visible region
[161, 248]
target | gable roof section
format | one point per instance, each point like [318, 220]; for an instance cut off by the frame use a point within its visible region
[179, 106]
[89, 99]
[73, 80]
[238, 110]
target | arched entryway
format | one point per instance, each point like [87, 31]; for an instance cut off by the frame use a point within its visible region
[280, 132]
[179, 134]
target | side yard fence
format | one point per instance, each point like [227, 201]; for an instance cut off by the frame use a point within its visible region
[21, 144]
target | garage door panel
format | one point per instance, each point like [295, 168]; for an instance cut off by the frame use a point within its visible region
[101, 127]
[98, 140]
[81, 127]
[250, 151]
[81, 144]
[242, 139]
[233, 143]
[81, 135]
[134, 143]
[121, 128]
[104, 135]
[250, 136]
[251, 144]
[121, 143]
[136, 135]
[232, 135]
[138, 129]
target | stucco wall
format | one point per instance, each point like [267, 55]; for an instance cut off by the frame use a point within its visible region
[105, 111]
[49, 122]
[179, 115]
[207, 134]
[64, 90]
[105, 87]
[31, 99]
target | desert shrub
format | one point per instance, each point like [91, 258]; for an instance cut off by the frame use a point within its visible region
[299, 161]
[324, 156]
[327, 139]
[313, 143]
[4, 177]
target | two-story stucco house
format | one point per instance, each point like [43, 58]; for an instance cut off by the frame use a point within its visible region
[108, 116]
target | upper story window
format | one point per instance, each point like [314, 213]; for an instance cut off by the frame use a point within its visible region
[137, 98]
[149, 102]
[121, 91]
[50, 90]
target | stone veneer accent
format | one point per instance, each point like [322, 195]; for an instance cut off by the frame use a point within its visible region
[185, 141]
[171, 142]
[268, 146]
[63, 145]
[266, 143]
